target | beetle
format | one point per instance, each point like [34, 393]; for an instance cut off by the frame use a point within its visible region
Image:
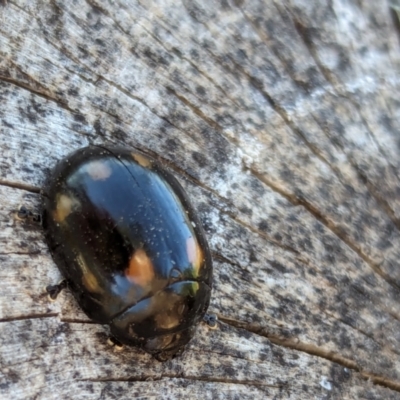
[130, 246]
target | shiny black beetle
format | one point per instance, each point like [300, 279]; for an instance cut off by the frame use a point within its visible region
[130, 246]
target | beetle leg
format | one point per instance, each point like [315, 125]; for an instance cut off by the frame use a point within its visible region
[211, 320]
[168, 354]
[115, 342]
[162, 357]
[54, 290]
[24, 214]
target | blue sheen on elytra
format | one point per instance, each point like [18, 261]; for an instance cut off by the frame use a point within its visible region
[122, 230]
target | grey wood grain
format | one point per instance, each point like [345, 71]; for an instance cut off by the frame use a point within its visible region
[281, 120]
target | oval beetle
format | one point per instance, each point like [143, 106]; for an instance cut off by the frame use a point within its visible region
[130, 246]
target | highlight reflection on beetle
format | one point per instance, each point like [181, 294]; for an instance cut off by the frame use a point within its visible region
[133, 252]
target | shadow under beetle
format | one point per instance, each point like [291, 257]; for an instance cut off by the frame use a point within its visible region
[130, 246]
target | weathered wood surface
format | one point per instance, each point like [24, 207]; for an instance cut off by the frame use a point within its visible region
[281, 119]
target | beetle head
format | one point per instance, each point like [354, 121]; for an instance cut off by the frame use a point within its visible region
[163, 323]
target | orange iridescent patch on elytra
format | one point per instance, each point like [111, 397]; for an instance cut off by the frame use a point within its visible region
[64, 206]
[195, 254]
[167, 321]
[141, 160]
[170, 305]
[89, 280]
[98, 170]
[141, 269]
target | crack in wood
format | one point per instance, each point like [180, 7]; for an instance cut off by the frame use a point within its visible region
[275, 49]
[29, 316]
[395, 16]
[21, 186]
[186, 377]
[329, 78]
[362, 332]
[20, 8]
[78, 321]
[262, 234]
[362, 177]
[283, 114]
[215, 125]
[97, 7]
[372, 135]
[291, 343]
[259, 86]
[326, 72]
[385, 206]
[178, 53]
[195, 109]
[30, 360]
[119, 88]
[113, 84]
[37, 92]
[141, 101]
[328, 223]
[173, 50]
[330, 315]
[99, 77]
[210, 79]
[222, 259]
[315, 150]
[311, 349]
